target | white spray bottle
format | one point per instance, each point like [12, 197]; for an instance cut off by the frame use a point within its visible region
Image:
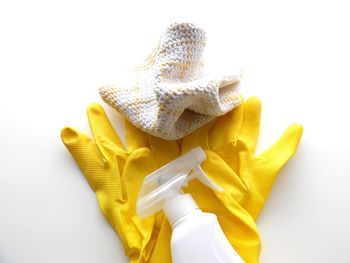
[196, 236]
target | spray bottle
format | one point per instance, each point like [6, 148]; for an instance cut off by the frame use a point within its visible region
[196, 236]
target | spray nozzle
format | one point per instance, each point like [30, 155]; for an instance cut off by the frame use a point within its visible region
[166, 182]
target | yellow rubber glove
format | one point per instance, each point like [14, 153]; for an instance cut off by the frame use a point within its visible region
[116, 176]
[230, 143]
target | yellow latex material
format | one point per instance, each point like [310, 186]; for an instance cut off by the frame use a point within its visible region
[230, 142]
[116, 176]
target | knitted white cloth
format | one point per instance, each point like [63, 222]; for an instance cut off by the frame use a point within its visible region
[169, 96]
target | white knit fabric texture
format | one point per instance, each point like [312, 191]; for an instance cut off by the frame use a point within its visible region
[169, 96]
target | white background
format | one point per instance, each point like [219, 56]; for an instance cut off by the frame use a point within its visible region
[55, 54]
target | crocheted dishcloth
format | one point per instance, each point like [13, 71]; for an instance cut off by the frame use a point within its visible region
[169, 96]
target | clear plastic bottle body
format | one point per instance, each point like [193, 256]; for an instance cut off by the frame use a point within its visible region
[198, 238]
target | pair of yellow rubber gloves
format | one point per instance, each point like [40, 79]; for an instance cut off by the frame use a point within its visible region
[116, 175]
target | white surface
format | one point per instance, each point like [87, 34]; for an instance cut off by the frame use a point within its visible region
[54, 55]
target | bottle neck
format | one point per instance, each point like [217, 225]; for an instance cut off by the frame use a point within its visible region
[178, 207]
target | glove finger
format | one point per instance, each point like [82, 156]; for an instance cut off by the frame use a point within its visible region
[226, 128]
[74, 140]
[251, 123]
[135, 138]
[197, 138]
[140, 163]
[102, 130]
[81, 147]
[92, 164]
[285, 147]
